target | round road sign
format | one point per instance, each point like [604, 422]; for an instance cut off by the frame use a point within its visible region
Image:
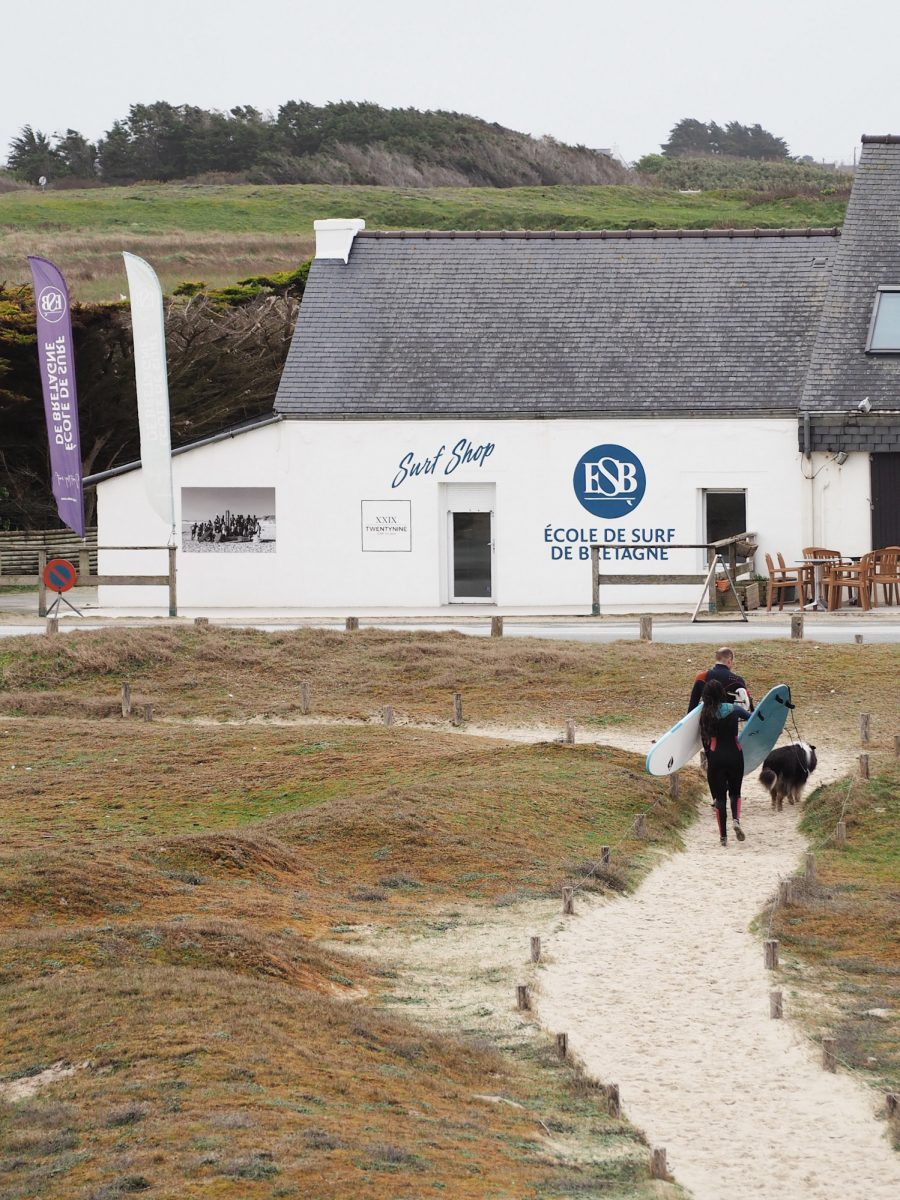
[60, 575]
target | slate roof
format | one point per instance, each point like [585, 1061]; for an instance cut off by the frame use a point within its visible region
[841, 373]
[636, 323]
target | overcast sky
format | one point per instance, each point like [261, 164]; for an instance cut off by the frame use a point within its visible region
[816, 72]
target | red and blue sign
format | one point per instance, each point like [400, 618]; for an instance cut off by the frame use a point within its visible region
[60, 575]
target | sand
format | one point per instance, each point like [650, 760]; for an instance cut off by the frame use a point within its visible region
[665, 994]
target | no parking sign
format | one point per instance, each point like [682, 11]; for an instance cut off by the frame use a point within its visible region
[60, 575]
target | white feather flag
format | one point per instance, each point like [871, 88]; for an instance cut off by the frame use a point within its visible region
[148, 327]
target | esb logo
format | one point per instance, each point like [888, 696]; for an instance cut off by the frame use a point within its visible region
[609, 481]
[52, 304]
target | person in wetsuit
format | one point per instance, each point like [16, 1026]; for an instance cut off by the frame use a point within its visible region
[724, 756]
[722, 671]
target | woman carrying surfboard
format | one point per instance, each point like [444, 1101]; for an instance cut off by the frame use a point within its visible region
[724, 757]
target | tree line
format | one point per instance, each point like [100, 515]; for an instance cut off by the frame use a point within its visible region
[341, 142]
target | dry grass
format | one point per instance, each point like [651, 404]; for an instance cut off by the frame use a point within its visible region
[847, 927]
[235, 673]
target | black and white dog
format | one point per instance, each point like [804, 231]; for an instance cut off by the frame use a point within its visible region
[786, 771]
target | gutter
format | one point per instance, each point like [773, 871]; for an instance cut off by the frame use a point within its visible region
[90, 480]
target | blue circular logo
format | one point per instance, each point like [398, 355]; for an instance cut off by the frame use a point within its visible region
[609, 481]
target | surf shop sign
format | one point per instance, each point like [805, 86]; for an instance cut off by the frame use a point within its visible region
[609, 481]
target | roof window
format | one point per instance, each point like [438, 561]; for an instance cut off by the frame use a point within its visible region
[884, 331]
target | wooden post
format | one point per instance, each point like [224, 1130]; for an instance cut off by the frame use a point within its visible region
[864, 766]
[148, 712]
[810, 869]
[387, 714]
[523, 1000]
[304, 697]
[797, 625]
[829, 1060]
[604, 856]
[640, 826]
[535, 949]
[496, 627]
[613, 1104]
[897, 745]
[771, 949]
[52, 625]
[173, 590]
[784, 892]
[562, 1046]
[658, 1163]
[42, 587]
[864, 728]
[646, 633]
[891, 1103]
[858, 638]
[126, 699]
[351, 624]
[570, 733]
[840, 834]
[84, 564]
[776, 1010]
[568, 899]
[595, 581]
[201, 622]
[457, 709]
[673, 785]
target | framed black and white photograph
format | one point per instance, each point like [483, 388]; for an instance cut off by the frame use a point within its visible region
[232, 520]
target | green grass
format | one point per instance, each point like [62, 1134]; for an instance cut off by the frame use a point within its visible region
[219, 233]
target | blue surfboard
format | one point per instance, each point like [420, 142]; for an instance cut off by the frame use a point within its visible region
[764, 728]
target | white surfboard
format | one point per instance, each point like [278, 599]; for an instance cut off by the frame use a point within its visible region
[678, 746]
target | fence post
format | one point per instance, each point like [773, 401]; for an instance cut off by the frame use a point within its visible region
[496, 627]
[613, 1104]
[646, 633]
[304, 698]
[775, 1006]
[673, 785]
[42, 587]
[387, 714]
[523, 1000]
[829, 1059]
[640, 826]
[864, 728]
[658, 1163]
[457, 709]
[562, 1046]
[864, 766]
[771, 949]
[797, 625]
[351, 624]
[858, 638]
[84, 564]
[810, 869]
[595, 581]
[535, 949]
[173, 589]
[568, 899]
[840, 834]
[148, 712]
[570, 733]
[53, 624]
[126, 699]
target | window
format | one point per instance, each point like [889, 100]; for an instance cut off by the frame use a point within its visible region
[726, 514]
[884, 331]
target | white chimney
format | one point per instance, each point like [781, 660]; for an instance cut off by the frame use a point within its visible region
[334, 238]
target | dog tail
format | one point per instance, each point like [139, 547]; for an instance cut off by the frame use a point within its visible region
[767, 777]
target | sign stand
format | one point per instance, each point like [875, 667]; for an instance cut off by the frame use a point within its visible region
[718, 561]
[59, 576]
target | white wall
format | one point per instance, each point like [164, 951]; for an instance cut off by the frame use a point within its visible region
[322, 470]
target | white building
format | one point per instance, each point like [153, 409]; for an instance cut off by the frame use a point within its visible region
[461, 415]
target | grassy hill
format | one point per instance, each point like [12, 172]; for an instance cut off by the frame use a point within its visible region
[219, 233]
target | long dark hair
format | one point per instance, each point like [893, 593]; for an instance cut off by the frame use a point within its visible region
[713, 695]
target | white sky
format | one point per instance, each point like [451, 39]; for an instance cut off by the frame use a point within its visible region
[815, 72]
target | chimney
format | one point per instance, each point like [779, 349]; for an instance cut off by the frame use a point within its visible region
[334, 238]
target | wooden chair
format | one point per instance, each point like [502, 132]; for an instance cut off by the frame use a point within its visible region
[810, 570]
[885, 574]
[779, 579]
[852, 576]
[804, 584]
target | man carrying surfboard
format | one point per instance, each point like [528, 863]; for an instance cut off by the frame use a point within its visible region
[723, 672]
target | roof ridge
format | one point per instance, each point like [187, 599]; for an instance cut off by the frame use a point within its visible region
[595, 234]
[887, 139]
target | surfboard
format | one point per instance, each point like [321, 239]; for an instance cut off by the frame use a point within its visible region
[764, 728]
[678, 746]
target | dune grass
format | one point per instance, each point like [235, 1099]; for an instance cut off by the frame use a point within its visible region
[220, 233]
[846, 928]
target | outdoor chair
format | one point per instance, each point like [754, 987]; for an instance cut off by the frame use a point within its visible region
[804, 583]
[852, 576]
[814, 574]
[779, 580]
[885, 574]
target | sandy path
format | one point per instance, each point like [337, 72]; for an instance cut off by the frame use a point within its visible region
[665, 993]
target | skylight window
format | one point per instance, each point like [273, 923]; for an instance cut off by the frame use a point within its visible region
[884, 332]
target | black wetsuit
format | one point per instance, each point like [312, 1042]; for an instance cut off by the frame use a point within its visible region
[725, 764]
[729, 681]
